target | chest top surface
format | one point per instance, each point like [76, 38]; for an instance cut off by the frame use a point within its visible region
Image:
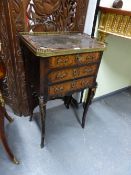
[50, 44]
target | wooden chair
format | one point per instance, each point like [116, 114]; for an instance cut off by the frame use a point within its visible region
[3, 114]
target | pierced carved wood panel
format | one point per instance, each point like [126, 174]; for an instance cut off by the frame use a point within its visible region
[32, 15]
[8, 87]
[56, 15]
[14, 83]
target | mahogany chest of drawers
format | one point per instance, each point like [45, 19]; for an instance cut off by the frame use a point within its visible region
[57, 65]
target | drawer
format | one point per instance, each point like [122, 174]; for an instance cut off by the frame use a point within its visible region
[72, 73]
[76, 59]
[70, 86]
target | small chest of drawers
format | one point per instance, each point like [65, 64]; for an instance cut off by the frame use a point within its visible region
[72, 73]
[58, 65]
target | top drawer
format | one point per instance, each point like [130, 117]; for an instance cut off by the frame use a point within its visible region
[76, 59]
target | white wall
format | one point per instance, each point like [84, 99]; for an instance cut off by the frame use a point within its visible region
[90, 16]
[115, 68]
[108, 3]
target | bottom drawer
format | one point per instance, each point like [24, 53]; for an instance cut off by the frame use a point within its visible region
[70, 86]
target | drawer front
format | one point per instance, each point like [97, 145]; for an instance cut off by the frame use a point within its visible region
[71, 60]
[75, 85]
[72, 73]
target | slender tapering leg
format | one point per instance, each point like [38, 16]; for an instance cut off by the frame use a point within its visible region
[82, 93]
[31, 117]
[67, 101]
[42, 106]
[90, 96]
[3, 138]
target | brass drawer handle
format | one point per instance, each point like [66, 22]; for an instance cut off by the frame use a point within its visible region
[88, 70]
[60, 75]
[78, 58]
[84, 83]
[76, 72]
[59, 89]
[90, 57]
[62, 61]
[73, 85]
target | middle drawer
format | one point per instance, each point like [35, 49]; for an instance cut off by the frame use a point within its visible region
[72, 73]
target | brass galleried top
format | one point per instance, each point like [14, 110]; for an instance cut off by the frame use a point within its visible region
[50, 44]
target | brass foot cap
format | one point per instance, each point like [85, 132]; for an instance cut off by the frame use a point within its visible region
[16, 161]
[42, 145]
[11, 120]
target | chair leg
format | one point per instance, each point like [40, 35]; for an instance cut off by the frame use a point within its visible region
[3, 138]
[3, 110]
[90, 96]
[10, 154]
[8, 117]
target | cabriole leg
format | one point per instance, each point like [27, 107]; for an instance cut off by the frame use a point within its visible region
[3, 137]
